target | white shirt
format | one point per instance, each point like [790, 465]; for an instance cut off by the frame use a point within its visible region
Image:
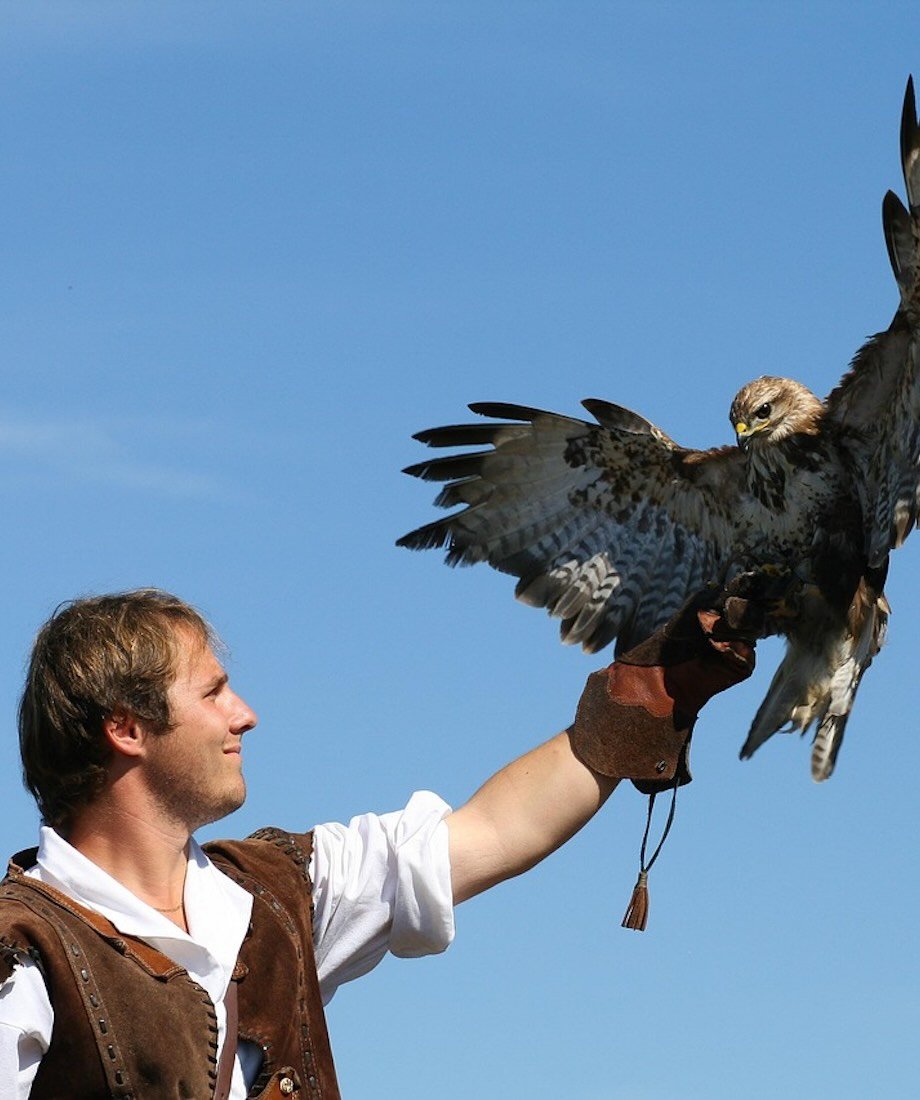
[380, 883]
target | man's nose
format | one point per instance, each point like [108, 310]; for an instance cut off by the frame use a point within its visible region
[244, 717]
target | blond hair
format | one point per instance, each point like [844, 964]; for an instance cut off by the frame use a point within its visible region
[93, 657]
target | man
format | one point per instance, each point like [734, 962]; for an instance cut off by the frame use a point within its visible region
[136, 964]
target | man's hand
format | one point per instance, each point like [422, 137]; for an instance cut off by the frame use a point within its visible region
[635, 718]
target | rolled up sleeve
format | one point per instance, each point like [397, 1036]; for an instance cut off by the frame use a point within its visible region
[381, 883]
[26, 1022]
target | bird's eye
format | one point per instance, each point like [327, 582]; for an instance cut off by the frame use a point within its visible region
[764, 411]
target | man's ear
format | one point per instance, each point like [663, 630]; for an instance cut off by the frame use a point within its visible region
[124, 733]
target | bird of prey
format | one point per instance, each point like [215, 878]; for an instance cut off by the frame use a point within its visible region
[612, 525]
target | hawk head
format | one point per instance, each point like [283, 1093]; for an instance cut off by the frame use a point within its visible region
[769, 410]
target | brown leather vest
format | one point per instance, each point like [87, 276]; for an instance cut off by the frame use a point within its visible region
[130, 1023]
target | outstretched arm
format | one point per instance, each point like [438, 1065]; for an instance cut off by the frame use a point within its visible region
[525, 811]
[634, 721]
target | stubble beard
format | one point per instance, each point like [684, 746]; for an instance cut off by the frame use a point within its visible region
[186, 797]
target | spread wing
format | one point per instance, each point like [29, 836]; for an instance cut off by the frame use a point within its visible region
[878, 401]
[610, 526]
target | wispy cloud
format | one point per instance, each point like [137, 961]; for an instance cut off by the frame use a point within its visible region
[84, 450]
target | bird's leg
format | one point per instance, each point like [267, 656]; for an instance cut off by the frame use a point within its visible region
[774, 569]
[777, 591]
[784, 595]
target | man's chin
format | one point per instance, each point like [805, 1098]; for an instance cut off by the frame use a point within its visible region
[233, 801]
[219, 809]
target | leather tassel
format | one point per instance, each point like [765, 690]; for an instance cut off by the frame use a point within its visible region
[636, 916]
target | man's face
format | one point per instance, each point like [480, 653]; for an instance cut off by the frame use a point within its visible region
[195, 770]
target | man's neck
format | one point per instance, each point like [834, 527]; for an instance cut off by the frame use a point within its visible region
[148, 858]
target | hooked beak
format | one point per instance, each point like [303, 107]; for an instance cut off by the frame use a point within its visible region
[743, 435]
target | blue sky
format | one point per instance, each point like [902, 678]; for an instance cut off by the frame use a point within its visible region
[248, 250]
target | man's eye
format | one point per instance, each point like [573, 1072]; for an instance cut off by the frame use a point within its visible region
[764, 411]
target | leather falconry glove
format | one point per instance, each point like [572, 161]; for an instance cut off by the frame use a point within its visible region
[635, 718]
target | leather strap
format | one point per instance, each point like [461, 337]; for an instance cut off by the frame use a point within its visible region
[155, 962]
[110, 1054]
[228, 1054]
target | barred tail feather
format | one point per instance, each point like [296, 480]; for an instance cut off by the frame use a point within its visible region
[827, 744]
[796, 698]
[818, 687]
[844, 685]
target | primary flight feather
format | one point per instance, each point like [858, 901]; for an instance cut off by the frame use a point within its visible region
[612, 525]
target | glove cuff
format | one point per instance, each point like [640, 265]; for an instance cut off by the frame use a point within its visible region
[626, 727]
